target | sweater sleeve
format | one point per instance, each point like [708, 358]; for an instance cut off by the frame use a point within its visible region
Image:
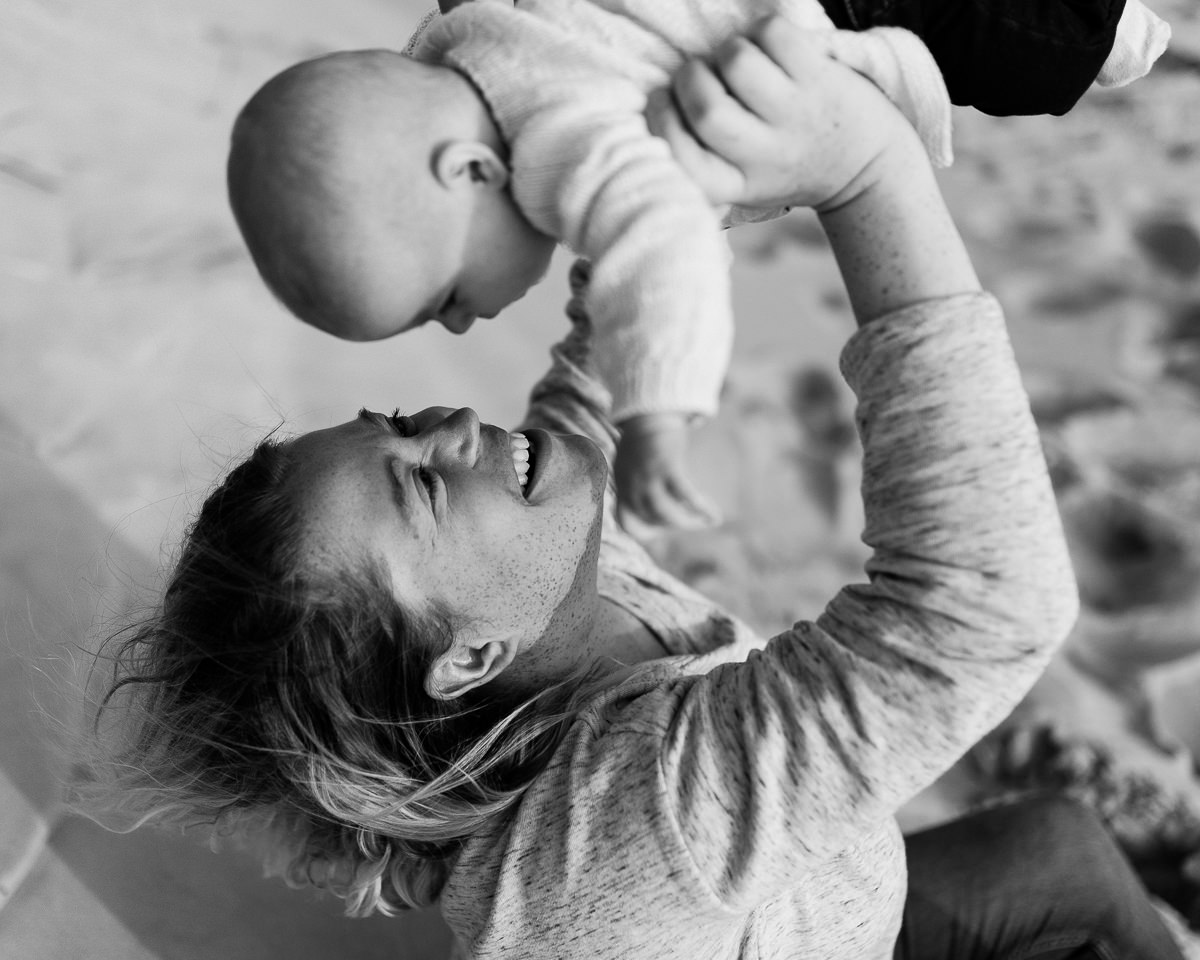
[569, 397]
[659, 297]
[773, 765]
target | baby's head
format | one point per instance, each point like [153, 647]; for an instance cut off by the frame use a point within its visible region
[373, 193]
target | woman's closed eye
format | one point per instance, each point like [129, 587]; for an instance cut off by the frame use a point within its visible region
[431, 482]
[405, 426]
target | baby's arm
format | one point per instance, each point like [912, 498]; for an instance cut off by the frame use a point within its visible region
[570, 398]
[659, 294]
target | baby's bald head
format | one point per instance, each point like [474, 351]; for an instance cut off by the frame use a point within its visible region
[324, 158]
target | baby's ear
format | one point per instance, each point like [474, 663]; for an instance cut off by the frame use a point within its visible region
[470, 162]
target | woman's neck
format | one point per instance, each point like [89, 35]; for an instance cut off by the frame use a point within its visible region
[624, 639]
[616, 643]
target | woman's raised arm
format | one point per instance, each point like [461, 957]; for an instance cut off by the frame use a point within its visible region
[777, 764]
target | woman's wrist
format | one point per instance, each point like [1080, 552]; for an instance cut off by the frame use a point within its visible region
[892, 236]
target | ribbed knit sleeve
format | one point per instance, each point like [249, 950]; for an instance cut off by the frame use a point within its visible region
[569, 397]
[659, 297]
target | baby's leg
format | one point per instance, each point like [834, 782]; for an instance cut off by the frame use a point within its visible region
[1002, 57]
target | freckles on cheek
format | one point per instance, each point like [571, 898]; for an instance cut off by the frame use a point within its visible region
[539, 567]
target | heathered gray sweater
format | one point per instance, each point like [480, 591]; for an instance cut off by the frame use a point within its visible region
[737, 798]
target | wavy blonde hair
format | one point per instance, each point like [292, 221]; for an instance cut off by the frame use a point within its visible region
[267, 706]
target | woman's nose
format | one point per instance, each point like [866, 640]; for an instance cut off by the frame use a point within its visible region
[458, 433]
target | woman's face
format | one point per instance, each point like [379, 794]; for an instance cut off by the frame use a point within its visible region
[436, 498]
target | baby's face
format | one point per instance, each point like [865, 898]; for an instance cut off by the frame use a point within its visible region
[501, 258]
[450, 273]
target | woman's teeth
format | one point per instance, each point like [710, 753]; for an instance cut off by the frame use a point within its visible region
[520, 456]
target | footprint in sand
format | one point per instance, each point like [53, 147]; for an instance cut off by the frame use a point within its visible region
[1126, 554]
[1170, 242]
[1180, 344]
[816, 402]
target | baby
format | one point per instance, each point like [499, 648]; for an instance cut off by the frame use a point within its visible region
[378, 191]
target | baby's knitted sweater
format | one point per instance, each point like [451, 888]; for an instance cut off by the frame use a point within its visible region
[736, 798]
[566, 83]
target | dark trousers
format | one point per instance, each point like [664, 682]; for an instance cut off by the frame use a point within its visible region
[1036, 880]
[1002, 57]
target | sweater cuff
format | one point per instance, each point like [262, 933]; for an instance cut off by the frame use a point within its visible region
[661, 386]
[967, 323]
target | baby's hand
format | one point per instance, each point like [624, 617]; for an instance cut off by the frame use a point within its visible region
[651, 475]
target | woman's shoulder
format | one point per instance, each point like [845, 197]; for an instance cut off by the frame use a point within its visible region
[684, 621]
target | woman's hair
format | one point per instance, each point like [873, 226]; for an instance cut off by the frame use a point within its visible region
[264, 703]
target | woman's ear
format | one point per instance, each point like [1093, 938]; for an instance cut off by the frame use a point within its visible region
[469, 162]
[464, 667]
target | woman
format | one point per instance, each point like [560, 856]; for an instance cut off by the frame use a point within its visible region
[422, 650]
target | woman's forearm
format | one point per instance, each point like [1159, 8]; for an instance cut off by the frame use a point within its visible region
[894, 241]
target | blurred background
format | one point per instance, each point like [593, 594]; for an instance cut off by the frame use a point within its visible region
[140, 354]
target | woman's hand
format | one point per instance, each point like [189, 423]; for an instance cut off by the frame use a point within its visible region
[773, 120]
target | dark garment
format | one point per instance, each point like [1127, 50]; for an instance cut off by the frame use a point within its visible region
[1002, 57]
[1036, 880]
